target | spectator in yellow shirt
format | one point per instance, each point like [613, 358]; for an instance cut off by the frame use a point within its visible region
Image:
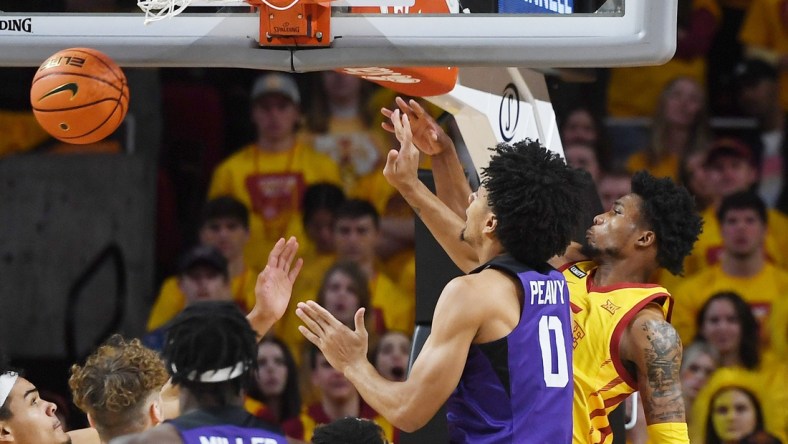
[356, 229]
[730, 168]
[743, 267]
[224, 225]
[270, 175]
[680, 126]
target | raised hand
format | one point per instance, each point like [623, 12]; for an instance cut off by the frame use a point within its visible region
[402, 166]
[428, 136]
[275, 285]
[341, 346]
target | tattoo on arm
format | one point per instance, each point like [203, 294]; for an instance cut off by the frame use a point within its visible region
[663, 360]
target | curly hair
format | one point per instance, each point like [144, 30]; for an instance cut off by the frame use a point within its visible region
[349, 430]
[535, 197]
[206, 337]
[115, 383]
[669, 210]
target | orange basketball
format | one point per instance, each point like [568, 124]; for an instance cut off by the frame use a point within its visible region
[79, 95]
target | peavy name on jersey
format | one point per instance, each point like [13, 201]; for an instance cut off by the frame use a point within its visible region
[547, 292]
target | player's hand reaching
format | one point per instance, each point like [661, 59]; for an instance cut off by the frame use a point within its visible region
[428, 136]
[402, 166]
[275, 285]
[342, 347]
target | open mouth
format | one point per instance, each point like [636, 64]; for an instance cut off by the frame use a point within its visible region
[398, 372]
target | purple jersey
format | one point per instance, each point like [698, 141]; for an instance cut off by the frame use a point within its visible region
[227, 425]
[519, 388]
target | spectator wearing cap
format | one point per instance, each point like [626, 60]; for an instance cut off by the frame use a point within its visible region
[270, 174]
[224, 225]
[758, 96]
[730, 167]
[202, 276]
[764, 35]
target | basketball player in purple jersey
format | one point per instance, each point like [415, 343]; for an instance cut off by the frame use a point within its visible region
[500, 347]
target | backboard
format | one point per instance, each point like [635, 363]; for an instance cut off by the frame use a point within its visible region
[545, 35]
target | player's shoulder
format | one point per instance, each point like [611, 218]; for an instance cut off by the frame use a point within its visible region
[577, 270]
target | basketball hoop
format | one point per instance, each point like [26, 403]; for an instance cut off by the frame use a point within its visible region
[156, 10]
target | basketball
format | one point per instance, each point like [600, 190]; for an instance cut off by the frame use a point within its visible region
[79, 95]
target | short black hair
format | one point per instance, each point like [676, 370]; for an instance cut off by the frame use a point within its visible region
[205, 337]
[356, 209]
[535, 196]
[321, 196]
[349, 430]
[225, 207]
[743, 200]
[670, 211]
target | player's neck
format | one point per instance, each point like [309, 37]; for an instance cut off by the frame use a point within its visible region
[276, 145]
[620, 270]
[340, 409]
[488, 251]
[741, 265]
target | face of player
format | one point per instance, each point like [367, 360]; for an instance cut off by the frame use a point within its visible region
[733, 415]
[612, 188]
[392, 358]
[355, 239]
[333, 385]
[33, 420]
[615, 232]
[579, 127]
[204, 283]
[342, 89]
[683, 103]
[340, 297]
[476, 216]
[227, 235]
[743, 232]
[320, 230]
[696, 373]
[582, 157]
[729, 174]
[271, 369]
[721, 326]
[275, 117]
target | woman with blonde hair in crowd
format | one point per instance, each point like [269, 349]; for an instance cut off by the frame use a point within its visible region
[680, 125]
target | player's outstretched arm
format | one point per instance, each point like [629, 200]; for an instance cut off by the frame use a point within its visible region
[275, 285]
[434, 375]
[450, 181]
[401, 172]
[653, 345]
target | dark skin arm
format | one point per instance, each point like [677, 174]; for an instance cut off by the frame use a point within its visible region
[651, 350]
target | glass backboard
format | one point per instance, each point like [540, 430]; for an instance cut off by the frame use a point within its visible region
[536, 34]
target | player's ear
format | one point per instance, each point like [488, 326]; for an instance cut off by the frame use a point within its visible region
[646, 238]
[491, 223]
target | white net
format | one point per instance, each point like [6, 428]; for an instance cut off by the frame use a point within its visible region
[161, 9]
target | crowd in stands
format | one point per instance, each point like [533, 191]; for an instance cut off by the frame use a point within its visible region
[312, 168]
